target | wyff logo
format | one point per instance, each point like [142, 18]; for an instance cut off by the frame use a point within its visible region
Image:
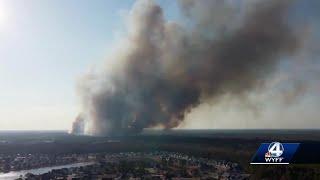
[275, 150]
[275, 153]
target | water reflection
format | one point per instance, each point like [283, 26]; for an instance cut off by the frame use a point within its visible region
[17, 174]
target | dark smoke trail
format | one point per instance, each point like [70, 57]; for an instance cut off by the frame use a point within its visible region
[166, 70]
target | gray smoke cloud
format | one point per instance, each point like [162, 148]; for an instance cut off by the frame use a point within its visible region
[78, 125]
[165, 69]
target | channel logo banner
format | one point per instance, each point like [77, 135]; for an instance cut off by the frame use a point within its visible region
[275, 153]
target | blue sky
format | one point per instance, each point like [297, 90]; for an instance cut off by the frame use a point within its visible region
[45, 45]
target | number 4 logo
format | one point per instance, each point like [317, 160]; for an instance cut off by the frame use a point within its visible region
[275, 149]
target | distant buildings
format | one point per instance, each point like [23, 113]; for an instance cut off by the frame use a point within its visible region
[140, 165]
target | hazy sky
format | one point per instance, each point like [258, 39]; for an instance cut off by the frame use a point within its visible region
[46, 45]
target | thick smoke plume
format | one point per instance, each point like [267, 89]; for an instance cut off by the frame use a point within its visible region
[166, 69]
[78, 125]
